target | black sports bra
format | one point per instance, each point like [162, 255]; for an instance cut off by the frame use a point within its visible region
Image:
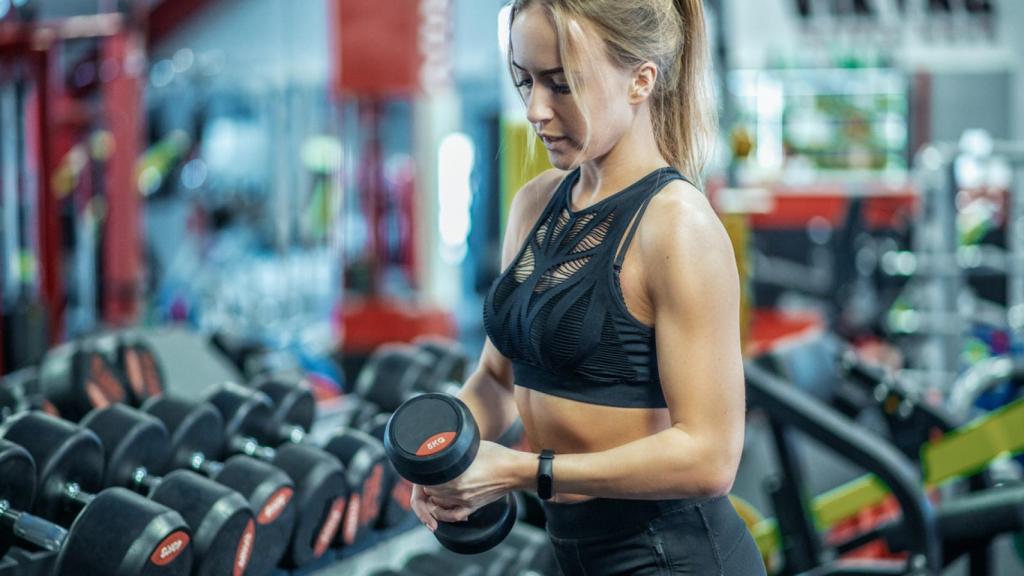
[558, 313]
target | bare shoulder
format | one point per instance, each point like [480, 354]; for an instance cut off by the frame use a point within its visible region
[530, 200]
[682, 230]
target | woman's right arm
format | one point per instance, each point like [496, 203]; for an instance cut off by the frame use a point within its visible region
[489, 390]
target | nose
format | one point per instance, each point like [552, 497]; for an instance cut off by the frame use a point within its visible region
[538, 110]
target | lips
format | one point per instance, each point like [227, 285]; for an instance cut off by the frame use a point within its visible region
[550, 141]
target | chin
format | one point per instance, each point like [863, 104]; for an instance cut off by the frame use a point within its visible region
[564, 162]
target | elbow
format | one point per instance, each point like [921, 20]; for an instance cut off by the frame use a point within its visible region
[719, 482]
[711, 466]
[719, 472]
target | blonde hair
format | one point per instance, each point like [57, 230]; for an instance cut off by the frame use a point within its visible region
[669, 33]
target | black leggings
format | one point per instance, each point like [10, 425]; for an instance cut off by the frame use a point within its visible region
[602, 537]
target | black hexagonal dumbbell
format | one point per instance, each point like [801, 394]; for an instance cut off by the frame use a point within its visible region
[448, 367]
[321, 491]
[371, 477]
[221, 521]
[77, 378]
[137, 447]
[134, 362]
[196, 437]
[394, 373]
[367, 468]
[135, 536]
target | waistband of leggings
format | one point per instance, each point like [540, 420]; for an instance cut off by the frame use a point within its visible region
[607, 516]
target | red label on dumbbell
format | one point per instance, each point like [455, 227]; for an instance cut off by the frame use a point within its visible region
[105, 380]
[330, 527]
[352, 519]
[244, 552]
[402, 494]
[169, 549]
[436, 443]
[277, 504]
[134, 369]
[154, 387]
[97, 399]
[371, 495]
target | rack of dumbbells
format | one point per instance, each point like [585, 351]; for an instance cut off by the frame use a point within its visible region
[941, 306]
[108, 470]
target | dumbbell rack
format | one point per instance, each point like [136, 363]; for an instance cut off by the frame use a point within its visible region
[940, 267]
[22, 562]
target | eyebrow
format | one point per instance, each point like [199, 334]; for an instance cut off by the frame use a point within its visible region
[548, 72]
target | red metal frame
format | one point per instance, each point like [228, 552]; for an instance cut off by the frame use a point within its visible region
[168, 16]
[122, 253]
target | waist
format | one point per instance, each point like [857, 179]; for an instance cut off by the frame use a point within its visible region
[616, 393]
[609, 516]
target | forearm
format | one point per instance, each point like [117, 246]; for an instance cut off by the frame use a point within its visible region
[669, 464]
[492, 404]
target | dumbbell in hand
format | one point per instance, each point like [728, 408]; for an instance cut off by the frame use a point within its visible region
[432, 439]
[136, 536]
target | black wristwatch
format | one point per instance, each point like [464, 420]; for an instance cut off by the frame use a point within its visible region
[545, 475]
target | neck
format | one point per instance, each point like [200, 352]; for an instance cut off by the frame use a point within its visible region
[634, 156]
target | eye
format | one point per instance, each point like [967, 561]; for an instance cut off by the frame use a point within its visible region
[524, 83]
[560, 88]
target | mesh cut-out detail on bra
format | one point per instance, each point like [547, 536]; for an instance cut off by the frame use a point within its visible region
[553, 313]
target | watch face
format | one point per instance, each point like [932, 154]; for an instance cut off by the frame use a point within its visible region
[544, 486]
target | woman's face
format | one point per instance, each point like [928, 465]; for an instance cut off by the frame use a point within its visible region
[550, 106]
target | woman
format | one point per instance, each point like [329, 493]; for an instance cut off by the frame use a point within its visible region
[614, 330]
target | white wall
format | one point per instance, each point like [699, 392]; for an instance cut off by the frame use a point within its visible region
[1013, 18]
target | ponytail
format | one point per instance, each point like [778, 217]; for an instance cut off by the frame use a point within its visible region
[684, 114]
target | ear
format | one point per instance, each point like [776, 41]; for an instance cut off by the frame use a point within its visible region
[644, 78]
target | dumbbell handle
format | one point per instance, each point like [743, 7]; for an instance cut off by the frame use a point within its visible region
[290, 433]
[250, 447]
[73, 493]
[143, 481]
[210, 468]
[34, 529]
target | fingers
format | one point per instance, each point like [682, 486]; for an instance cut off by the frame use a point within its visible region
[421, 508]
[457, 514]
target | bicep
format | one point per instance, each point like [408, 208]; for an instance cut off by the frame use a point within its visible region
[696, 299]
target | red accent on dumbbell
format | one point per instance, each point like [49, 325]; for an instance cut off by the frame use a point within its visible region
[169, 549]
[244, 552]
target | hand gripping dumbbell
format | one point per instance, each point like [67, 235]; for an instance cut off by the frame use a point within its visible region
[196, 438]
[220, 519]
[367, 468]
[137, 448]
[115, 532]
[320, 488]
[432, 439]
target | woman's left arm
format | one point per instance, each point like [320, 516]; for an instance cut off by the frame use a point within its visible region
[692, 282]
[693, 285]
